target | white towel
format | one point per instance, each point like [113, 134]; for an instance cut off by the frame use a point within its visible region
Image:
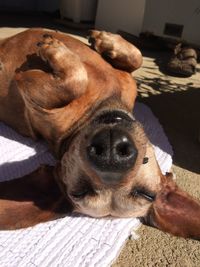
[76, 241]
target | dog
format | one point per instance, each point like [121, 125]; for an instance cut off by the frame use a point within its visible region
[79, 99]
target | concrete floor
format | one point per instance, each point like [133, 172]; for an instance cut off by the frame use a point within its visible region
[176, 102]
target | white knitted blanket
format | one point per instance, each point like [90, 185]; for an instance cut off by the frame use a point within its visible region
[76, 241]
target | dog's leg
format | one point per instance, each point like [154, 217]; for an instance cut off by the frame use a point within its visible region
[31, 199]
[67, 82]
[120, 53]
[66, 65]
[45, 92]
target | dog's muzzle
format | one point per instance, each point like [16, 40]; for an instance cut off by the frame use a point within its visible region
[111, 150]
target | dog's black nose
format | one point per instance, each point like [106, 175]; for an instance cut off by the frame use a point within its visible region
[112, 152]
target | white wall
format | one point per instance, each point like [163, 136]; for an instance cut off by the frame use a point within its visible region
[183, 12]
[126, 15]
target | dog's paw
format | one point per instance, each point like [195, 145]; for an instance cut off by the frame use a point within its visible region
[105, 43]
[51, 50]
[66, 66]
[115, 49]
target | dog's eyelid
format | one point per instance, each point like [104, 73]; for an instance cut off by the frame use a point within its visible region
[82, 191]
[79, 194]
[143, 192]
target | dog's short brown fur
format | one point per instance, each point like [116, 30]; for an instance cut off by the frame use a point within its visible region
[54, 87]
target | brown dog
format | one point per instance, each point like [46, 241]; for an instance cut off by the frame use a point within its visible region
[55, 87]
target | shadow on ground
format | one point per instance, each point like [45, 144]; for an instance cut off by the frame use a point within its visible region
[177, 106]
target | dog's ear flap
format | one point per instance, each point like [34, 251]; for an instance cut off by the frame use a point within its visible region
[176, 212]
[31, 199]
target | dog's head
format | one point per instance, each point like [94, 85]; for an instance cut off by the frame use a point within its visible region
[109, 169]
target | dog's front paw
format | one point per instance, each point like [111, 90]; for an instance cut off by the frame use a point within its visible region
[66, 66]
[51, 50]
[103, 42]
[120, 53]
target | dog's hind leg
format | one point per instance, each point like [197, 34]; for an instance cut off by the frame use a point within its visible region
[116, 50]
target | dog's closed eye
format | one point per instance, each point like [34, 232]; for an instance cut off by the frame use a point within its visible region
[79, 194]
[140, 191]
[82, 190]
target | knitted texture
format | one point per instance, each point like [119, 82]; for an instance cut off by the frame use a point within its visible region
[75, 240]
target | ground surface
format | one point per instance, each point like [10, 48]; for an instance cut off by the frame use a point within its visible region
[176, 102]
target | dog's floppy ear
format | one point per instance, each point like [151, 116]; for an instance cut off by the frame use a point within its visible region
[176, 212]
[31, 199]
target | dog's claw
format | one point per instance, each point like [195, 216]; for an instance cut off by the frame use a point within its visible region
[39, 44]
[46, 35]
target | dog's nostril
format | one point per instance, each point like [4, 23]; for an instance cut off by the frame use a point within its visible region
[123, 150]
[96, 150]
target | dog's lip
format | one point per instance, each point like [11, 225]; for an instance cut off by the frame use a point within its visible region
[113, 116]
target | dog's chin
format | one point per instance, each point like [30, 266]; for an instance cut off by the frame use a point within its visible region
[140, 213]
